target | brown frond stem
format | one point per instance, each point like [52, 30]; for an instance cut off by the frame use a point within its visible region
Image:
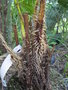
[36, 11]
[26, 25]
[15, 34]
[39, 22]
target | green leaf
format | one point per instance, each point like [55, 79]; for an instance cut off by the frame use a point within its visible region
[66, 67]
[64, 3]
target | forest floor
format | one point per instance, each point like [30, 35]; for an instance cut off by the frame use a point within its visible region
[58, 71]
[59, 68]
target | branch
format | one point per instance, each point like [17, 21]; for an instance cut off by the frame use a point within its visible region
[15, 58]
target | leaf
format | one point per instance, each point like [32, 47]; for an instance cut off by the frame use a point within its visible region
[64, 3]
[66, 67]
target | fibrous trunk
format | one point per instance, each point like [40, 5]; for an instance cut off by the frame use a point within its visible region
[33, 68]
[36, 55]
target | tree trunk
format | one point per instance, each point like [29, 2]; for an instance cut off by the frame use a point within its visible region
[36, 55]
[33, 68]
[3, 50]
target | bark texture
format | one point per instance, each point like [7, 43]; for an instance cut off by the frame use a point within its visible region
[36, 56]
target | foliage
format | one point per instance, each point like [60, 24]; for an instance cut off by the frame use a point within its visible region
[53, 14]
[64, 3]
[27, 6]
[56, 19]
[53, 38]
[22, 6]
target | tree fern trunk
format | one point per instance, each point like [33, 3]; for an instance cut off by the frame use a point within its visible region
[37, 57]
[34, 74]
